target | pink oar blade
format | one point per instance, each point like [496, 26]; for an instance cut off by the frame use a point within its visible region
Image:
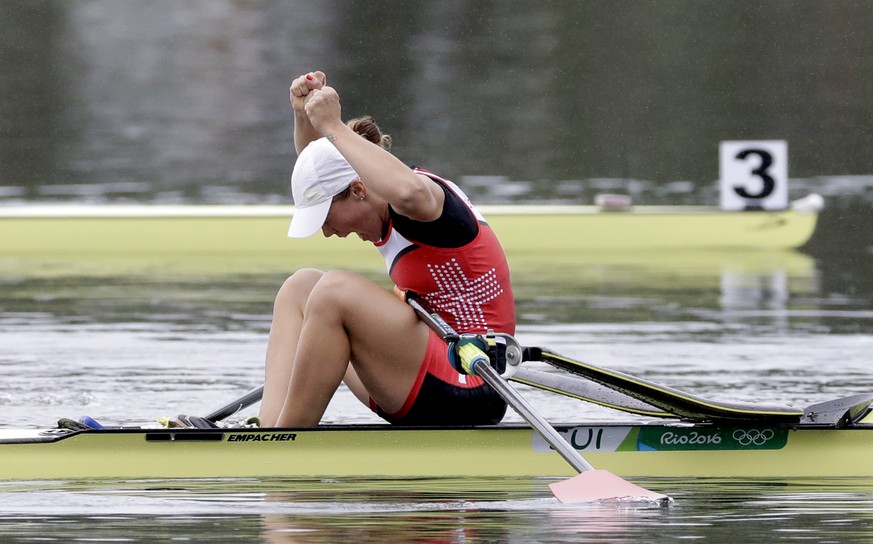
[602, 485]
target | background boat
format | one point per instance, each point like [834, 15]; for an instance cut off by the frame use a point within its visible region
[193, 229]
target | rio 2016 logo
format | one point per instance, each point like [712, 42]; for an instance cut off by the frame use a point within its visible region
[692, 438]
[713, 438]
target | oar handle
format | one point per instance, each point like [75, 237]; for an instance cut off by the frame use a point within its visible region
[477, 361]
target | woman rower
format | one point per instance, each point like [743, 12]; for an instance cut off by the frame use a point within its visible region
[336, 326]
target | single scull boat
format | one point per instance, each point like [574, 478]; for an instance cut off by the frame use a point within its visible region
[205, 230]
[675, 434]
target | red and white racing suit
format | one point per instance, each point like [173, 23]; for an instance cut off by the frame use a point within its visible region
[456, 263]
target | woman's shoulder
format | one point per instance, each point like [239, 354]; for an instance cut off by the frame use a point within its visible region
[456, 226]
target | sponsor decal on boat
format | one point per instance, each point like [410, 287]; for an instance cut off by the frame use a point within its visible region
[658, 438]
[701, 438]
[262, 437]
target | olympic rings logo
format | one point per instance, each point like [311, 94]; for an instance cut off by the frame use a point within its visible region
[755, 437]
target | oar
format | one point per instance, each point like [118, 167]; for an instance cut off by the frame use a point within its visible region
[590, 485]
[231, 408]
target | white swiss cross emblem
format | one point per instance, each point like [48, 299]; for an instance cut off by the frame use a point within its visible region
[461, 296]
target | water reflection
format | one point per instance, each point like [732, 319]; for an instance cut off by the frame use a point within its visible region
[777, 290]
[229, 291]
[450, 511]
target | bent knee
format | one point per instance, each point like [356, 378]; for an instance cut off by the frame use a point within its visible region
[298, 286]
[336, 286]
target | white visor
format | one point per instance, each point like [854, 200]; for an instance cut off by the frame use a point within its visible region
[307, 221]
[320, 174]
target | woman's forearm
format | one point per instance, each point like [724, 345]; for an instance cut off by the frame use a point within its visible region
[304, 132]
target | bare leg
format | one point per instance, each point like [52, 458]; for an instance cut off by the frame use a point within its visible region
[282, 345]
[349, 318]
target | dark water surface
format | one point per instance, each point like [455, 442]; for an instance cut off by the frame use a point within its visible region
[126, 347]
[438, 511]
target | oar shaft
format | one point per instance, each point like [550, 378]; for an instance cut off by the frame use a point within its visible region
[231, 408]
[531, 416]
[587, 486]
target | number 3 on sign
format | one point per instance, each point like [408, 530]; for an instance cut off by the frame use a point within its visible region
[754, 175]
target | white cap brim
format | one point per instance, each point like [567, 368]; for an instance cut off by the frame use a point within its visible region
[307, 221]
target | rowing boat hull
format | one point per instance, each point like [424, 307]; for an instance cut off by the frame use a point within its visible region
[524, 230]
[650, 450]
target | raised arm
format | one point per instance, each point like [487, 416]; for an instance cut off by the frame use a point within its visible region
[304, 132]
[410, 194]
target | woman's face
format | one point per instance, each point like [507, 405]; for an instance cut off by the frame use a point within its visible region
[354, 214]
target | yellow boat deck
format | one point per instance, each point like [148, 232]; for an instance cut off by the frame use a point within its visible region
[383, 451]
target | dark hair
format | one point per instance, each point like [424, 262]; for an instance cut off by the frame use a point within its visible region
[366, 126]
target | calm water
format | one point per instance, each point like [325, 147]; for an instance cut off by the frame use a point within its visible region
[434, 511]
[128, 347]
[550, 101]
